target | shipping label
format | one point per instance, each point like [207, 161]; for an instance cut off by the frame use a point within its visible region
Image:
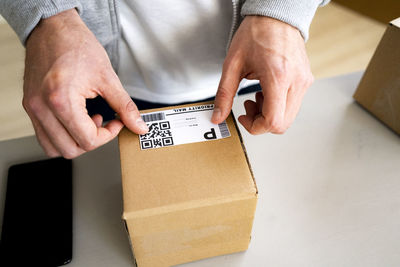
[181, 126]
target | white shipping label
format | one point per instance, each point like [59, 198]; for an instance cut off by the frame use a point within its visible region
[181, 126]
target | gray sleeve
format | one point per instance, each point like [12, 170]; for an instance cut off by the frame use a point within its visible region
[24, 15]
[298, 13]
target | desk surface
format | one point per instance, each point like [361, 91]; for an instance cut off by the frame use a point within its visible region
[328, 190]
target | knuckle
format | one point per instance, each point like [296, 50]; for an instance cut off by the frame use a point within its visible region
[233, 63]
[53, 85]
[56, 100]
[131, 107]
[54, 79]
[224, 94]
[70, 154]
[255, 132]
[279, 130]
[306, 80]
[88, 145]
[32, 104]
[281, 68]
[51, 154]
[275, 125]
[310, 79]
[279, 73]
[24, 103]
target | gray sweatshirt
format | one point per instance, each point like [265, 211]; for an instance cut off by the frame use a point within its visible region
[101, 16]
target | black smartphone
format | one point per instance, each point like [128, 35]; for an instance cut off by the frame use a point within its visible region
[37, 222]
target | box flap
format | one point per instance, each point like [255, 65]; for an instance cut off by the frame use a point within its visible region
[184, 176]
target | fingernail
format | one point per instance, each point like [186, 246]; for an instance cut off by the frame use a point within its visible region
[216, 114]
[141, 124]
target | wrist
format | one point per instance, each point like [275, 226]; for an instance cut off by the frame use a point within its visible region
[56, 24]
[263, 25]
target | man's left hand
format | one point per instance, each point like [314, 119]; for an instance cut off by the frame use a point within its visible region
[273, 52]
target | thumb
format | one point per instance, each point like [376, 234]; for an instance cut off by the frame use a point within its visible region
[227, 88]
[120, 101]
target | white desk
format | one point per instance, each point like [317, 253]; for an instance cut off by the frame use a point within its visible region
[329, 190]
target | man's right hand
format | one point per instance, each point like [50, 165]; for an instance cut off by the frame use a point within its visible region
[65, 65]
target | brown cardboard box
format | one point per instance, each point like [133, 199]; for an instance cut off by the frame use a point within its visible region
[187, 202]
[379, 88]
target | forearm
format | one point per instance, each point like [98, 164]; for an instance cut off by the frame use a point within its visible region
[24, 15]
[298, 13]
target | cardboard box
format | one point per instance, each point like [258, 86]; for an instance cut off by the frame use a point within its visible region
[379, 88]
[187, 202]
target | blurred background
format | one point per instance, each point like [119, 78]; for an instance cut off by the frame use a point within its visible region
[343, 38]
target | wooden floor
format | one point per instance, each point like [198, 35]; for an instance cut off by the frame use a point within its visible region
[341, 41]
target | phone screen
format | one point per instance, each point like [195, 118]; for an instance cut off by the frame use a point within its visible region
[37, 222]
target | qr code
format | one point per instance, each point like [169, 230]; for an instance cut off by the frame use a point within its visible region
[159, 135]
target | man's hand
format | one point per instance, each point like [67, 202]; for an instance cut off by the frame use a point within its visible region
[274, 53]
[64, 66]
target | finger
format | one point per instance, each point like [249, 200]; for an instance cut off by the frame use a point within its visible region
[44, 140]
[58, 135]
[251, 108]
[101, 135]
[228, 85]
[294, 99]
[121, 102]
[259, 101]
[108, 132]
[85, 131]
[98, 120]
[272, 117]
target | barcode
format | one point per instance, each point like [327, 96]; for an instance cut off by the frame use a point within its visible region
[223, 128]
[159, 135]
[153, 117]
